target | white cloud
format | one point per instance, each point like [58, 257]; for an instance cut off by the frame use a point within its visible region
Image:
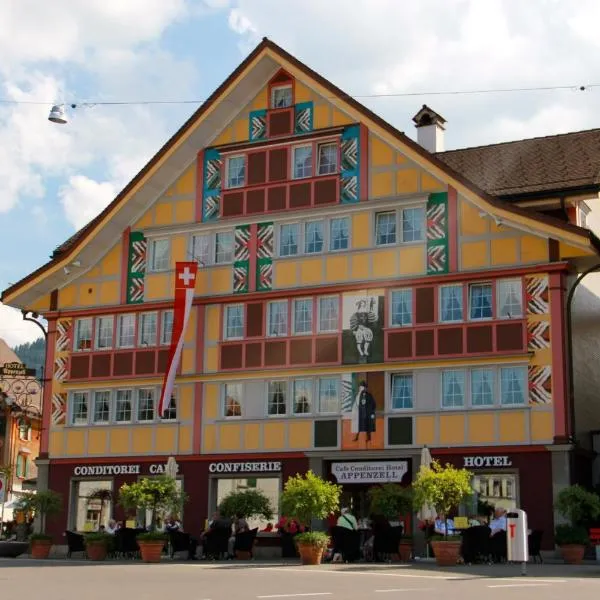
[13, 330]
[83, 198]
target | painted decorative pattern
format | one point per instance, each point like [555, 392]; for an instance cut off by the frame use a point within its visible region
[437, 233]
[538, 335]
[211, 191]
[60, 368]
[241, 259]
[350, 165]
[265, 239]
[537, 294]
[63, 330]
[242, 241]
[240, 278]
[540, 384]
[264, 256]
[258, 125]
[59, 408]
[136, 272]
[265, 275]
[349, 390]
[303, 117]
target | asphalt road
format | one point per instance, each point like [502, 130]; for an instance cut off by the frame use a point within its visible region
[65, 580]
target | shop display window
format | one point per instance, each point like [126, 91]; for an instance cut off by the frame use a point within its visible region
[88, 512]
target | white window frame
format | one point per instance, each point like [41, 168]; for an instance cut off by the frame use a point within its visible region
[499, 285]
[330, 221]
[119, 325]
[210, 255]
[215, 256]
[339, 386]
[480, 284]
[224, 400]
[97, 322]
[153, 268]
[228, 185]
[386, 244]
[226, 335]
[312, 162]
[494, 385]
[413, 394]
[140, 328]
[337, 326]
[400, 228]
[76, 339]
[72, 395]
[132, 406]
[110, 408]
[324, 244]
[268, 320]
[412, 311]
[137, 405]
[163, 340]
[174, 398]
[283, 86]
[299, 239]
[523, 369]
[312, 316]
[311, 387]
[465, 390]
[441, 306]
[337, 158]
[285, 399]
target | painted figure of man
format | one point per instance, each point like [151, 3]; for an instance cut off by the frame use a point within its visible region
[361, 323]
[363, 413]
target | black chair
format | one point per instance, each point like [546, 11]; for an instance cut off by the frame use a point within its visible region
[534, 542]
[126, 545]
[385, 544]
[498, 547]
[179, 542]
[75, 543]
[346, 542]
[216, 542]
[244, 542]
[476, 546]
[288, 546]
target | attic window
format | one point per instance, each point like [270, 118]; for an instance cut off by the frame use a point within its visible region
[281, 96]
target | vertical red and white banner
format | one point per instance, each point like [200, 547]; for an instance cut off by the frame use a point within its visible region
[185, 283]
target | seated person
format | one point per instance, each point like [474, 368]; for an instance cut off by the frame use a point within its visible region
[239, 526]
[443, 526]
[173, 525]
[498, 523]
[347, 520]
[112, 527]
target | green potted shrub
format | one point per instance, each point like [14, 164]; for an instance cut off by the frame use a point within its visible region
[43, 504]
[579, 507]
[97, 545]
[391, 501]
[159, 495]
[247, 504]
[305, 498]
[443, 488]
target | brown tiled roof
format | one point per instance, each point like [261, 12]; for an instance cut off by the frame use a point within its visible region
[545, 164]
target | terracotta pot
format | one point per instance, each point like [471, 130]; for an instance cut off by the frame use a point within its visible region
[446, 553]
[151, 550]
[40, 548]
[96, 550]
[572, 553]
[310, 555]
[405, 551]
[243, 555]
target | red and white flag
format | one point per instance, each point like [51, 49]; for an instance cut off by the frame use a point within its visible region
[185, 283]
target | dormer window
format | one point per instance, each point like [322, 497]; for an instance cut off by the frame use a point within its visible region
[281, 96]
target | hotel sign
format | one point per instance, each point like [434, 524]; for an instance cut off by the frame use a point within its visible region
[16, 369]
[370, 472]
[479, 462]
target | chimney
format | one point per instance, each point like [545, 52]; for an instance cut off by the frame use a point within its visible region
[430, 129]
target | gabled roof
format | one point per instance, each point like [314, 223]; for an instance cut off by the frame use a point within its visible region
[551, 164]
[255, 69]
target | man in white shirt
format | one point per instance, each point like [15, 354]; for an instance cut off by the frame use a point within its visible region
[441, 523]
[498, 523]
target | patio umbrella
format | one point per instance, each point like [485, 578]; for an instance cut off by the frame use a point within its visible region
[426, 512]
[171, 468]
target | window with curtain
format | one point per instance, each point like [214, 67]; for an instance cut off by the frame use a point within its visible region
[281, 96]
[451, 303]
[482, 387]
[277, 401]
[413, 224]
[145, 407]
[289, 239]
[339, 233]
[224, 247]
[277, 318]
[234, 321]
[328, 314]
[159, 255]
[123, 406]
[303, 309]
[313, 237]
[104, 333]
[327, 159]
[201, 249]
[302, 389]
[302, 162]
[83, 334]
[147, 329]
[385, 228]
[79, 408]
[232, 400]
[401, 307]
[513, 385]
[170, 413]
[166, 328]
[402, 391]
[236, 171]
[329, 394]
[126, 331]
[453, 389]
[510, 298]
[480, 301]
[101, 407]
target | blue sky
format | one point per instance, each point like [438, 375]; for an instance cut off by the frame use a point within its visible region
[55, 178]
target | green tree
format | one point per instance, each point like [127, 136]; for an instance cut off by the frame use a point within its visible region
[578, 505]
[441, 487]
[247, 503]
[390, 500]
[309, 497]
[156, 494]
[42, 504]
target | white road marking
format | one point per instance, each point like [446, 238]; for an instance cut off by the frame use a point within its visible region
[348, 572]
[405, 590]
[528, 580]
[297, 595]
[517, 585]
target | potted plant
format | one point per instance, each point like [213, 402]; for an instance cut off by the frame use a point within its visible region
[305, 498]
[159, 495]
[391, 501]
[246, 504]
[579, 507]
[443, 488]
[97, 545]
[43, 504]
